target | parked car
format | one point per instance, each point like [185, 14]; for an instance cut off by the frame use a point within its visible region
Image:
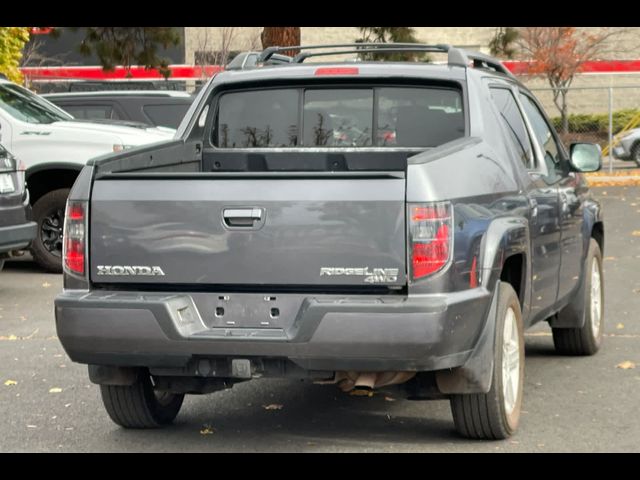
[628, 147]
[264, 246]
[16, 228]
[156, 108]
[54, 147]
[245, 60]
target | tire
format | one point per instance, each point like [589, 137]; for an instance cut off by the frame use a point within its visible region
[495, 415]
[635, 153]
[48, 213]
[139, 406]
[587, 339]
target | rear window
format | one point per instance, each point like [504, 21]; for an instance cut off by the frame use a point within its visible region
[339, 117]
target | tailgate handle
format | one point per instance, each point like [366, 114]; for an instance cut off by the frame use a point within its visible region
[241, 217]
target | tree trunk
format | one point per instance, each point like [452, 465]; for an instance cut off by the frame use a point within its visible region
[281, 37]
[563, 112]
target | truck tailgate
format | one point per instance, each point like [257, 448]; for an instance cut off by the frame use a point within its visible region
[227, 230]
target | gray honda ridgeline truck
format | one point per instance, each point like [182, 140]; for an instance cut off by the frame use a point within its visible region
[360, 223]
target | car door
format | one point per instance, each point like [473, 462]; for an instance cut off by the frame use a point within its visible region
[570, 191]
[542, 193]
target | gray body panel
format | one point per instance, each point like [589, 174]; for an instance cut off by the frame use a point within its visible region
[318, 332]
[304, 225]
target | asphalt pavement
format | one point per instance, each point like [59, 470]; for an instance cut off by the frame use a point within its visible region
[583, 404]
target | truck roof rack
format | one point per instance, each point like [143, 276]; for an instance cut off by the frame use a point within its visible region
[455, 56]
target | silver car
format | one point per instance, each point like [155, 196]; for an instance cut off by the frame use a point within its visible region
[628, 148]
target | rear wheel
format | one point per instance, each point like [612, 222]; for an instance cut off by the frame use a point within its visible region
[48, 213]
[139, 406]
[587, 339]
[496, 414]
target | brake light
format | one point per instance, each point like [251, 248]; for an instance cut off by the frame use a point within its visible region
[430, 230]
[74, 238]
[337, 71]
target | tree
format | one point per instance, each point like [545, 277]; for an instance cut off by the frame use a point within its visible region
[503, 42]
[12, 41]
[558, 53]
[129, 46]
[281, 37]
[386, 35]
[214, 49]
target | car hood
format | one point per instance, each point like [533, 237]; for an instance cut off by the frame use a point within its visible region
[129, 135]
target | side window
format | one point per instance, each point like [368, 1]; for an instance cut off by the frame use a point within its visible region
[542, 131]
[168, 115]
[513, 122]
[90, 111]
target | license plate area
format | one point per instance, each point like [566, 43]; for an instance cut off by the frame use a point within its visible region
[6, 183]
[263, 311]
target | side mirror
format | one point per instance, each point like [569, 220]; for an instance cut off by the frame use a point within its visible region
[586, 157]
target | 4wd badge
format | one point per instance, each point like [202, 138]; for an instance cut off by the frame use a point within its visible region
[371, 275]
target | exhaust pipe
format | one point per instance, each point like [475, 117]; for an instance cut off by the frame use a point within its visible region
[348, 381]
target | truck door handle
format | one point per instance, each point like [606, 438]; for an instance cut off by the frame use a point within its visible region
[241, 217]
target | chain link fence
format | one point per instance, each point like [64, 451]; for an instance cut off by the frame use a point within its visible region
[603, 115]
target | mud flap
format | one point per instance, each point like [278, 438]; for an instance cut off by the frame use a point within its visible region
[476, 374]
[573, 315]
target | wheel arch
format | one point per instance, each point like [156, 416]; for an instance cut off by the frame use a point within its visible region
[44, 178]
[505, 258]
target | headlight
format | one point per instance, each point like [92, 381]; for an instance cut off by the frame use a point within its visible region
[119, 147]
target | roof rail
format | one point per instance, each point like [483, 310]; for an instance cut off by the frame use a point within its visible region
[480, 60]
[456, 56]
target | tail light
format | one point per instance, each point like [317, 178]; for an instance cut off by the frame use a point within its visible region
[74, 247]
[431, 232]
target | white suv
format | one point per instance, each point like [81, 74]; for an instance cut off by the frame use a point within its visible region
[54, 147]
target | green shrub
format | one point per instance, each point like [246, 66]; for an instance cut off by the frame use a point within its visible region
[596, 122]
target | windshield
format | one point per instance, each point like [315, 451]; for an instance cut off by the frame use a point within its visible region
[416, 117]
[28, 107]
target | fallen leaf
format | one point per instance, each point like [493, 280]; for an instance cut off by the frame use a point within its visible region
[634, 204]
[10, 337]
[609, 258]
[636, 233]
[389, 399]
[272, 406]
[55, 390]
[10, 383]
[626, 365]
[207, 430]
[620, 326]
[46, 284]
[31, 335]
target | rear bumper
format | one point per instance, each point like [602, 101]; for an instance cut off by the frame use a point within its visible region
[16, 237]
[317, 332]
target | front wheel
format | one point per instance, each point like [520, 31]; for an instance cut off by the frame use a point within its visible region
[48, 213]
[587, 339]
[139, 405]
[495, 415]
